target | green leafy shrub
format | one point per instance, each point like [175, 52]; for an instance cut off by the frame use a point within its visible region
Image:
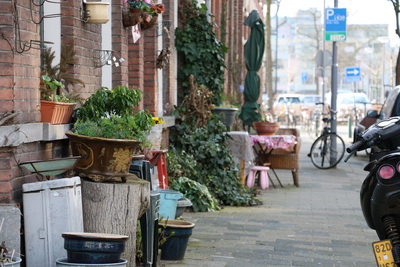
[198, 194]
[110, 114]
[179, 164]
[203, 136]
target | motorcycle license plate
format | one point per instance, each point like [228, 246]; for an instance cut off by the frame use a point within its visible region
[383, 253]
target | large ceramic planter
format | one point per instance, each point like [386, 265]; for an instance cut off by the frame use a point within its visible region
[177, 233]
[56, 112]
[228, 115]
[266, 128]
[102, 159]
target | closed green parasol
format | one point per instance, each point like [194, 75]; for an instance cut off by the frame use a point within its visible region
[253, 53]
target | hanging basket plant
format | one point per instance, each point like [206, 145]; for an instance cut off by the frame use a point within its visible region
[143, 12]
[149, 21]
[131, 16]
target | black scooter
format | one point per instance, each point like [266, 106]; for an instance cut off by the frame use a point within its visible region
[380, 191]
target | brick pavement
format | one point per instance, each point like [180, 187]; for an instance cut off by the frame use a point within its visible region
[317, 224]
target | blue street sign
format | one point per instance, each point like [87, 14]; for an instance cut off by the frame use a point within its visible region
[304, 76]
[353, 74]
[335, 24]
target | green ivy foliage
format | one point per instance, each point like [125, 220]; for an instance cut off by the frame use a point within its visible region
[215, 167]
[182, 165]
[200, 52]
[198, 194]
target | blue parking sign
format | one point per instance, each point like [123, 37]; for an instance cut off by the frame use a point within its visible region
[335, 24]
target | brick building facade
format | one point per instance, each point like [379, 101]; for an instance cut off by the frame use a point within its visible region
[24, 138]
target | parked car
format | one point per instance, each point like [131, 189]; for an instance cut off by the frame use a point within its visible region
[352, 105]
[308, 107]
[390, 108]
[288, 103]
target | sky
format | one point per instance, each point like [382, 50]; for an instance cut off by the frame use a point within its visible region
[359, 11]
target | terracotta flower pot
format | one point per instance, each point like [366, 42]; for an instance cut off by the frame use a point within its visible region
[265, 127]
[102, 159]
[56, 112]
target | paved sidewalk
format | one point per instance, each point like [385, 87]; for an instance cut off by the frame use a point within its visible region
[319, 223]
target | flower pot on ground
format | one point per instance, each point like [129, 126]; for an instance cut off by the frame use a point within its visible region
[11, 261]
[265, 127]
[114, 133]
[183, 203]
[177, 233]
[94, 248]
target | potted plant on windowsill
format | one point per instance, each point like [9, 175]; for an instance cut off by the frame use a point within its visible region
[57, 101]
[56, 107]
[108, 132]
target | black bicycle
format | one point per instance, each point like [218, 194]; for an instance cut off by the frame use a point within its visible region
[328, 149]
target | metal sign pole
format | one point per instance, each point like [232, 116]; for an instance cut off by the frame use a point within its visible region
[334, 94]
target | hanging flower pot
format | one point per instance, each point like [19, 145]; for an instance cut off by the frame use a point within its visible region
[131, 17]
[149, 21]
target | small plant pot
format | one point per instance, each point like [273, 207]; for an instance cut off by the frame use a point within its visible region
[96, 12]
[56, 112]
[177, 233]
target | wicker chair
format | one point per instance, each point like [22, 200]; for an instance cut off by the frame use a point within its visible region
[287, 160]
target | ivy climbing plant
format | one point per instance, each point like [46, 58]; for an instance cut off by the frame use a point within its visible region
[202, 137]
[200, 52]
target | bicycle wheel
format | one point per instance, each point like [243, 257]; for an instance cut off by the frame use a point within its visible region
[322, 153]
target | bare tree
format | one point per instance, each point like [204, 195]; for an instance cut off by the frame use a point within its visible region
[268, 55]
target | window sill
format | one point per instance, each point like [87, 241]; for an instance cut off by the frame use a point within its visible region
[18, 134]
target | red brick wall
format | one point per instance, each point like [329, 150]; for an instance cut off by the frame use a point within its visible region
[85, 39]
[19, 76]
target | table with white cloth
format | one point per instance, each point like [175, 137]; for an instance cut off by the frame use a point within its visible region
[242, 151]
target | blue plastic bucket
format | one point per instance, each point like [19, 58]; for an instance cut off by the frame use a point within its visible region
[168, 203]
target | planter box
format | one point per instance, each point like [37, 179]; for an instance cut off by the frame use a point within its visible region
[96, 12]
[56, 112]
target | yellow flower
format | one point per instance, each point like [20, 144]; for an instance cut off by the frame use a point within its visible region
[157, 120]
